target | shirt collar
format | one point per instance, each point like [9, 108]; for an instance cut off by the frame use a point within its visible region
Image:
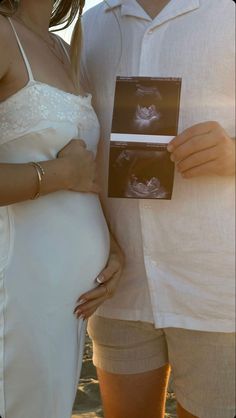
[112, 4]
[173, 9]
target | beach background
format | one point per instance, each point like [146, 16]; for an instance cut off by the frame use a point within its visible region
[88, 401]
[66, 34]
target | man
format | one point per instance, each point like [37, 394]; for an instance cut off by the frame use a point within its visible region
[175, 302]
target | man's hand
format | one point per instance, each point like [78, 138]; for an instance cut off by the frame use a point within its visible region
[202, 150]
[107, 281]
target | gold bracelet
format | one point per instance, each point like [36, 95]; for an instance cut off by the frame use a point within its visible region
[40, 173]
[40, 167]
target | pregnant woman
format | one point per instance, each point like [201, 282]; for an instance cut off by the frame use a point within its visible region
[54, 240]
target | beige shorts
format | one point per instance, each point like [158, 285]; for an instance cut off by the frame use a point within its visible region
[202, 363]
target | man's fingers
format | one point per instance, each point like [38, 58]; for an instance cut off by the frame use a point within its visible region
[194, 145]
[194, 131]
[201, 170]
[197, 159]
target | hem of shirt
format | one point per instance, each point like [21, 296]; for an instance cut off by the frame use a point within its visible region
[202, 411]
[174, 320]
[170, 320]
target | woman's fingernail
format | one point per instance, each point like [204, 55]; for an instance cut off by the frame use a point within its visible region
[172, 157]
[81, 301]
[170, 147]
[99, 279]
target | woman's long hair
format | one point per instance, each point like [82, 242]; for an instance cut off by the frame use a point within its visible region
[64, 13]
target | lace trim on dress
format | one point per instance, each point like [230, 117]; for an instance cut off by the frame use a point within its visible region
[37, 102]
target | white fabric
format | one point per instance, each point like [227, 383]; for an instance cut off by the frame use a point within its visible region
[188, 242]
[51, 250]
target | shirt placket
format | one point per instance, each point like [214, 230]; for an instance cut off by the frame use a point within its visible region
[148, 66]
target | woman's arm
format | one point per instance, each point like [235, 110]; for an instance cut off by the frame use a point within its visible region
[74, 169]
[19, 182]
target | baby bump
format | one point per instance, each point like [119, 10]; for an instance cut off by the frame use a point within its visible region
[61, 243]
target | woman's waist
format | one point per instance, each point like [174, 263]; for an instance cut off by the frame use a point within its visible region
[59, 208]
[64, 229]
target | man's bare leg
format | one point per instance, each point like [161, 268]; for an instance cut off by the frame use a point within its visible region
[134, 395]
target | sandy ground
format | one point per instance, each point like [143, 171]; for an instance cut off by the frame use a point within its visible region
[88, 401]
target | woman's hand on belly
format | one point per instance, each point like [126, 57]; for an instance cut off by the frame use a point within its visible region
[107, 281]
[73, 169]
[81, 167]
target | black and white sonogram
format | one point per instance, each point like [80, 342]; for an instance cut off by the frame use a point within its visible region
[147, 116]
[136, 171]
[145, 105]
[145, 119]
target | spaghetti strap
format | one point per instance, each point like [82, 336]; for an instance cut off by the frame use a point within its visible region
[27, 64]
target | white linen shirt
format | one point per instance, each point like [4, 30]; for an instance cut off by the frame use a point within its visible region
[179, 253]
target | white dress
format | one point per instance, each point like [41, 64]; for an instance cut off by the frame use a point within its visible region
[51, 250]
